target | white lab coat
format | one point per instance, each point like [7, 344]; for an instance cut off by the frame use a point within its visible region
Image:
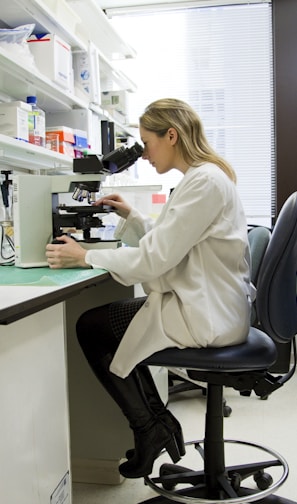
[193, 264]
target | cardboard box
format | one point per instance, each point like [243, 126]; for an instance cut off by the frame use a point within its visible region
[14, 119]
[65, 133]
[53, 58]
[66, 139]
[52, 141]
[67, 148]
[80, 139]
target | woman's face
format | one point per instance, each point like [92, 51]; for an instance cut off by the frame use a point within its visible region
[159, 151]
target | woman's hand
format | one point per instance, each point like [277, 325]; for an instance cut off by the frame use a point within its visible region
[67, 255]
[117, 202]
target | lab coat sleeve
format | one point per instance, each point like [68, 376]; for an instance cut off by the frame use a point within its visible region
[132, 229]
[189, 214]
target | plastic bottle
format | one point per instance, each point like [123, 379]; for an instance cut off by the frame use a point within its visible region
[36, 123]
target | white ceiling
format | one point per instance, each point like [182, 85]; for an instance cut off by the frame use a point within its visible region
[111, 4]
[104, 4]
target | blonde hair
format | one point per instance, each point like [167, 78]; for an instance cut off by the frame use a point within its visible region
[167, 113]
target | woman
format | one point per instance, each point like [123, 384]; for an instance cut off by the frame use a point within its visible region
[193, 265]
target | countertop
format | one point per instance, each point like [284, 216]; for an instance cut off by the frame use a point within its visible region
[26, 291]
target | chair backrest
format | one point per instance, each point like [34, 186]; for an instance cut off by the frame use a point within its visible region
[258, 240]
[276, 285]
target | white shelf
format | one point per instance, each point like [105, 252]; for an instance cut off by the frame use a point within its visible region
[76, 21]
[105, 115]
[41, 13]
[109, 72]
[19, 81]
[83, 20]
[96, 26]
[22, 155]
[47, 15]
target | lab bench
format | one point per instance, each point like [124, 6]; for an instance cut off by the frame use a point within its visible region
[57, 423]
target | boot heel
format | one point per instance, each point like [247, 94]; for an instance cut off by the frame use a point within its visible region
[174, 427]
[172, 449]
[179, 439]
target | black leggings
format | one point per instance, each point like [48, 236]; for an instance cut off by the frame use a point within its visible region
[100, 330]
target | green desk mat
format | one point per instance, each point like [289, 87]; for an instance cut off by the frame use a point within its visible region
[10, 275]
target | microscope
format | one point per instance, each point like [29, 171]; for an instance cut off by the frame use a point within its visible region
[40, 216]
[88, 172]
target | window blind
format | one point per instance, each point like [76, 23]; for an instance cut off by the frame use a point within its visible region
[219, 60]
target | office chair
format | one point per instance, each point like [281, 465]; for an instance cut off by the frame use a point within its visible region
[178, 379]
[244, 367]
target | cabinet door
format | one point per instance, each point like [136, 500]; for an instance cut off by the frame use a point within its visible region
[34, 445]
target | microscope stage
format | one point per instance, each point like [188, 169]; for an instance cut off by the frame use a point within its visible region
[86, 209]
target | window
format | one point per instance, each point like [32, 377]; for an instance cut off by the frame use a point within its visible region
[219, 60]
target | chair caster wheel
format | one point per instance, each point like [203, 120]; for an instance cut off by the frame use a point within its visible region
[168, 486]
[236, 481]
[227, 411]
[171, 470]
[263, 480]
[166, 470]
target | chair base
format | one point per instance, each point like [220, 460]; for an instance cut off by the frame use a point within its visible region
[227, 486]
[270, 499]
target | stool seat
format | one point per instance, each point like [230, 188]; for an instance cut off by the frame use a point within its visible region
[257, 353]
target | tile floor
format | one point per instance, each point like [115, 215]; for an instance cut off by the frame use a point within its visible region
[271, 423]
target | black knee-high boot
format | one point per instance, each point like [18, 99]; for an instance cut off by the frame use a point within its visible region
[151, 435]
[157, 406]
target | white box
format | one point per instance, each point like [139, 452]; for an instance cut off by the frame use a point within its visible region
[87, 74]
[53, 58]
[115, 100]
[14, 119]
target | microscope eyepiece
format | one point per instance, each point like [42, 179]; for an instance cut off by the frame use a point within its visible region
[122, 158]
[115, 161]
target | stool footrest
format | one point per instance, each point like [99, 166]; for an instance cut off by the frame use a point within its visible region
[226, 487]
